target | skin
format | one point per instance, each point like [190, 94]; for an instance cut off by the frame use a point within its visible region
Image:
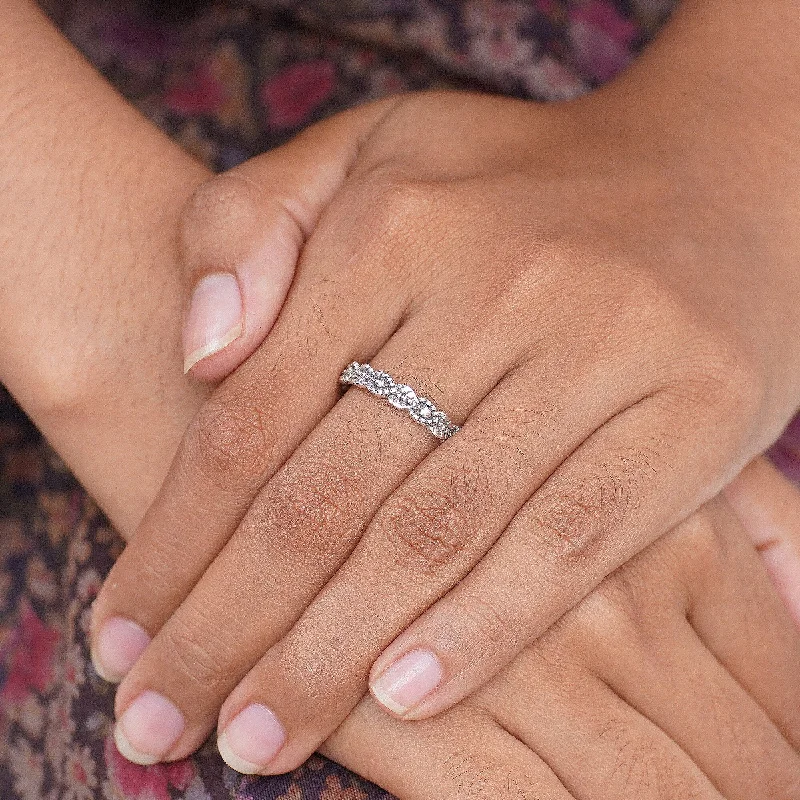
[480, 747]
[616, 353]
[89, 288]
[652, 687]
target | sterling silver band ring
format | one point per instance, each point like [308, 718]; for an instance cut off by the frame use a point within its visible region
[401, 396]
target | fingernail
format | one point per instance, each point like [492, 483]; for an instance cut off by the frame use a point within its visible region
[407, 682]
[117, 647]
[214, 319]
[251, 740]
[148, 729]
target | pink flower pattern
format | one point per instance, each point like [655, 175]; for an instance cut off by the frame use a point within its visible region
[146, 783]
[30, 650]
[601, 39]
[296, 92]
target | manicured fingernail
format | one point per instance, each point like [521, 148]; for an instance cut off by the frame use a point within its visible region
[251, 740]
[148, 729]
[214, 319]
[117, 647]
[407, 682]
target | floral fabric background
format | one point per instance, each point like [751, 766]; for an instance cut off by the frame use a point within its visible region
[228, 80]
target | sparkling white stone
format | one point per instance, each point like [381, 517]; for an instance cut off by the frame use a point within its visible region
[401, 396]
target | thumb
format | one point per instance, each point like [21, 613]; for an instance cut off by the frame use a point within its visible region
[768, 505]
[242, 233]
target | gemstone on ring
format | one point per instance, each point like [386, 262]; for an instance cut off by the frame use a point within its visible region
[401, 396]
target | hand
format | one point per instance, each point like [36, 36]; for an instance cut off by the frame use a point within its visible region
[603, 394]
[676, 678]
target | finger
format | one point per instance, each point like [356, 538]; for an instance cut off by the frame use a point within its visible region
[240, 438]
[768, 506]
[424, 538]
[242, 233]
[633, 633]
[741, 619]
[679, 685]
[620, 489]
[300, 528]
[401, 567]
[463, 755]
[598, 745]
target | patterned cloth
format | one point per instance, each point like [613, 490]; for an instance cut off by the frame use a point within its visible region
[227, 82]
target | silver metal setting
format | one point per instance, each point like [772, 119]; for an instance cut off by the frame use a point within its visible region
[381, 384]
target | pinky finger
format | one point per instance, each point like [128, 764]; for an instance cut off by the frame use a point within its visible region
[609, 500]
[768, 506]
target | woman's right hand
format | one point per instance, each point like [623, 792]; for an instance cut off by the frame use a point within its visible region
[678, 677]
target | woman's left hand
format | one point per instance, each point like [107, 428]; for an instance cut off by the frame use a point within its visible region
[596, 330]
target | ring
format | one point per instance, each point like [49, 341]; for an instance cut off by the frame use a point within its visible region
[381, 384]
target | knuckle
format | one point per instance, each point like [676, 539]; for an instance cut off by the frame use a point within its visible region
[697, 551]
[311, 511]
[701, 538]
[219, 220]
[312, 507]
[732, 387]
[621, 303]
[398, 206]
[641, 765]
[709, 367]
[427, 532]
[741, 385]
[231, 441]
[607, 618]
[313, 500]
[398, 198]
[197, 652]
[634, 605]
[576, 518]
[718, 376]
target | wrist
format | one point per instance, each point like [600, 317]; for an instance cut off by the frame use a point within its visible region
[116, 402]
[705, 131]
[90, 287]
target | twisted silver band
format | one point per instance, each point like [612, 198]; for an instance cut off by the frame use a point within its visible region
[381, 384]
